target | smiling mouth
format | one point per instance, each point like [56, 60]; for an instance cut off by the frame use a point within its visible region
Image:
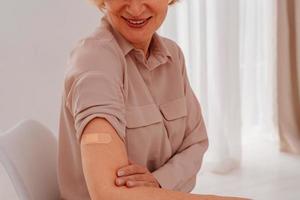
[136, 23]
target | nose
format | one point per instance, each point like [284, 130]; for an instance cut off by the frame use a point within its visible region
[135, 8]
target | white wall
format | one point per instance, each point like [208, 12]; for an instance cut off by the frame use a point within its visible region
[35, 40]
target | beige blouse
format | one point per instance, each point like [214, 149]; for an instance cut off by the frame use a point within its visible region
[149, 102]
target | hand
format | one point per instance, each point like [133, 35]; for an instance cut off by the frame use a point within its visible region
[136, 175]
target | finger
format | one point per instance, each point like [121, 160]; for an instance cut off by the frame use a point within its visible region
[120, 182]
[131, 169]
[139, 184]
[136, 177]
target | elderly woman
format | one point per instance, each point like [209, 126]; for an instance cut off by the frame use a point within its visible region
[131, 127]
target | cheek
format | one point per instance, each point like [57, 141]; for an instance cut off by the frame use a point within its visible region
[113, 17]
[113, 10]
[164, 12]
[161, 11]
[161, 15]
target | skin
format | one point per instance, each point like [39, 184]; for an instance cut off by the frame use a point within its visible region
[140, 38]
[135, 175]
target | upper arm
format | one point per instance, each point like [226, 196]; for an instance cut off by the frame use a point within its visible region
[94, 87]
[101, 161]
[95, 99]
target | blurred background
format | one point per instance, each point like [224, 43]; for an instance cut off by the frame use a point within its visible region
[243, 60]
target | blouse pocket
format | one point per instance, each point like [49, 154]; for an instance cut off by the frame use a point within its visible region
[146, 138]
[175, 113]
[140, 116]
[174, 109]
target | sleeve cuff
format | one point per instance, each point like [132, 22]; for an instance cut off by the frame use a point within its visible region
[112, 120]
[164, 179]
[167, 182]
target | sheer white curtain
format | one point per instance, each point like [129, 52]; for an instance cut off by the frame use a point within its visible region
[229, 47]
[258, 65]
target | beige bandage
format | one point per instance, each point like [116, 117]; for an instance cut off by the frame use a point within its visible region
[102, 138]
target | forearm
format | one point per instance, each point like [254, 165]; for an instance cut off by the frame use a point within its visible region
[100, 188]
[150, 193]
[146, 193]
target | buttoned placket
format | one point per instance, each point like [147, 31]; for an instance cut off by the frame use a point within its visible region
[146, 74]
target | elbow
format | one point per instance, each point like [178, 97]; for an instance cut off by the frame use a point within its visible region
[205, 144]
[188, 186]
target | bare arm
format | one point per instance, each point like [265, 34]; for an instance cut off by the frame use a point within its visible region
[101, 161]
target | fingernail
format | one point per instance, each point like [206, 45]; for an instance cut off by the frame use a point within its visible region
[121, 173]
[120, 181]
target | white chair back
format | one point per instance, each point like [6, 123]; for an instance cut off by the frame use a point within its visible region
[28, 152]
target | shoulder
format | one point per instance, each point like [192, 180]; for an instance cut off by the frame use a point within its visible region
[172, 47]
[94, 51]
[176, 53]
[97, 52]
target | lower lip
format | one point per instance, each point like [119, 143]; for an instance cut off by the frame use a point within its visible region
[137, 26]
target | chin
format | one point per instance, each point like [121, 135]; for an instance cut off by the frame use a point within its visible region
[136, 36]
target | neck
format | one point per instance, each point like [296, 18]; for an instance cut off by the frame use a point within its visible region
[144, 47]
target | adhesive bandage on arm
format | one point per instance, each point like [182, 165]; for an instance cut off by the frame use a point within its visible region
[99, 138]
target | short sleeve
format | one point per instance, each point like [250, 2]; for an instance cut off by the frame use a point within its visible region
[94, 88]
[94, 94]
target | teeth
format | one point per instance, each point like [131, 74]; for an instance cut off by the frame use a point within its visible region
[136, 21]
